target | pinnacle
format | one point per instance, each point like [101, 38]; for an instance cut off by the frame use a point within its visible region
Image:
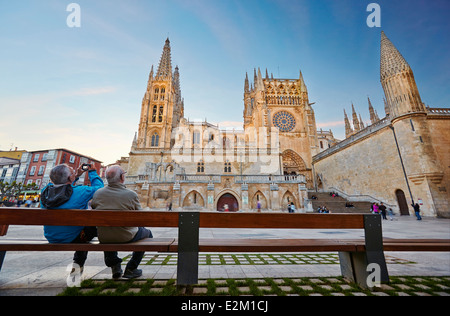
[165, 65]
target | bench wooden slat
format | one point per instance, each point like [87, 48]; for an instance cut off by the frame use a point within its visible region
[412, 245]
[149, 244]
[270, 245]
[280, 220]
[3, 230]
[12, 216]
[24, 216]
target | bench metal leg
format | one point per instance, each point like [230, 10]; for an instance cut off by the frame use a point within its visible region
[188, 238]
[366, 268]
[2, 257]
[354, 267]
[373, 233]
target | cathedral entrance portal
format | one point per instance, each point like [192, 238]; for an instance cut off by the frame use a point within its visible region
[402, 204]
[227, 203]
[292, 163]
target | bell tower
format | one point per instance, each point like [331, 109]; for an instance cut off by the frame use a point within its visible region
[162, 105]
[408, 117]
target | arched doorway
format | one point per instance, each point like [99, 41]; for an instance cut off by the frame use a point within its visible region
[259, 196]
[193, 200]
[402, 204]
[229, 200]
[292, 163]
[287, 199]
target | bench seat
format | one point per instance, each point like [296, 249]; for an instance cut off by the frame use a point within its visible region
[149, 244]
[271, 245]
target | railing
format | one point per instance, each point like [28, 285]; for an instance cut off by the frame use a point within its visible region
[215, 178]
[270, 179]
[359, 197]
[197, 178]
[439, 111]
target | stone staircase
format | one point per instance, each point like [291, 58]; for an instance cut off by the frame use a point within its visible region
[337, 204]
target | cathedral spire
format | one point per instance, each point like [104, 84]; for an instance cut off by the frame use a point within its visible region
[398, 82]
[246, 85]
[348, 128]
[392, 62]
[165, 64]
[259, 84]
[355, 119]
[373, 115]
[302, 83]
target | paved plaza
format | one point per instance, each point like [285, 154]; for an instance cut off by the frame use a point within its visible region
[44, 273]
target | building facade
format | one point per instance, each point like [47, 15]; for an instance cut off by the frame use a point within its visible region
[400, 159]
[279, 155]
[35, 166]
[198, 165]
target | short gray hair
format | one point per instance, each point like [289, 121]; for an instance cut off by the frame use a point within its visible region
[60, 174]
[114, 173]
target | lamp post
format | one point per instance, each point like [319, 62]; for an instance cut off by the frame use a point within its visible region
[401, 161]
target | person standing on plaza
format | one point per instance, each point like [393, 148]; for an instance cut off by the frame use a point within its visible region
[62, 193]
[292, 209]
[417, 211]
[391, 214]
[116, 196]
[376, 209]
[382, 209]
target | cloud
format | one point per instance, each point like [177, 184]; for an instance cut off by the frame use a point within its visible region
[230, 125]
[330, 124]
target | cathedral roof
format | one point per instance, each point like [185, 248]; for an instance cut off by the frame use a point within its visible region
[392, 62]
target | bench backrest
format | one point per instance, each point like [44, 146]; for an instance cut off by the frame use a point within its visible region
[26, 216]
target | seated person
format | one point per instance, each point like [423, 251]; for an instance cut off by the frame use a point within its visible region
[116, 196]
[62, 193]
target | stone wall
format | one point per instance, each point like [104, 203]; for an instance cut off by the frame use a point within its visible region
[368, 163]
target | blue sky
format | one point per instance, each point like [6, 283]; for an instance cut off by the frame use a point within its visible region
[82, 88]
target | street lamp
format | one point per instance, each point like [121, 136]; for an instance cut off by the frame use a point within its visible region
[401, 160]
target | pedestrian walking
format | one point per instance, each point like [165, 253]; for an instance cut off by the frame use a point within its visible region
[382, 209]
[417, 211]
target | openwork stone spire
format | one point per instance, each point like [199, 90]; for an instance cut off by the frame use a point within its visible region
[165, 64]
[397, 79]
[392, 62]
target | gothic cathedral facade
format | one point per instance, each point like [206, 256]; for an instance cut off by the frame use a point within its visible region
[278, 155]
[198, 165]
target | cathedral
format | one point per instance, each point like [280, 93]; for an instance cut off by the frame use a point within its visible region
[198, 165]
[279, 155]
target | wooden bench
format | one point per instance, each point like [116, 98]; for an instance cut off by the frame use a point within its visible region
[355, 254]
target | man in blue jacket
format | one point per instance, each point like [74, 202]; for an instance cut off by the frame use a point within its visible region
[62, 193]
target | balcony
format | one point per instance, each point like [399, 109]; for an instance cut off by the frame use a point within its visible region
[214, 178]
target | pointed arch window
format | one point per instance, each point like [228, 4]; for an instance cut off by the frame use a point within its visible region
[155, 140]
[160, 115]
[156, 94]
[227, 167]
[155, 109]
[201, 167]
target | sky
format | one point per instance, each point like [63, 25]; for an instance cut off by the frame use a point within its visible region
[81, 88]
